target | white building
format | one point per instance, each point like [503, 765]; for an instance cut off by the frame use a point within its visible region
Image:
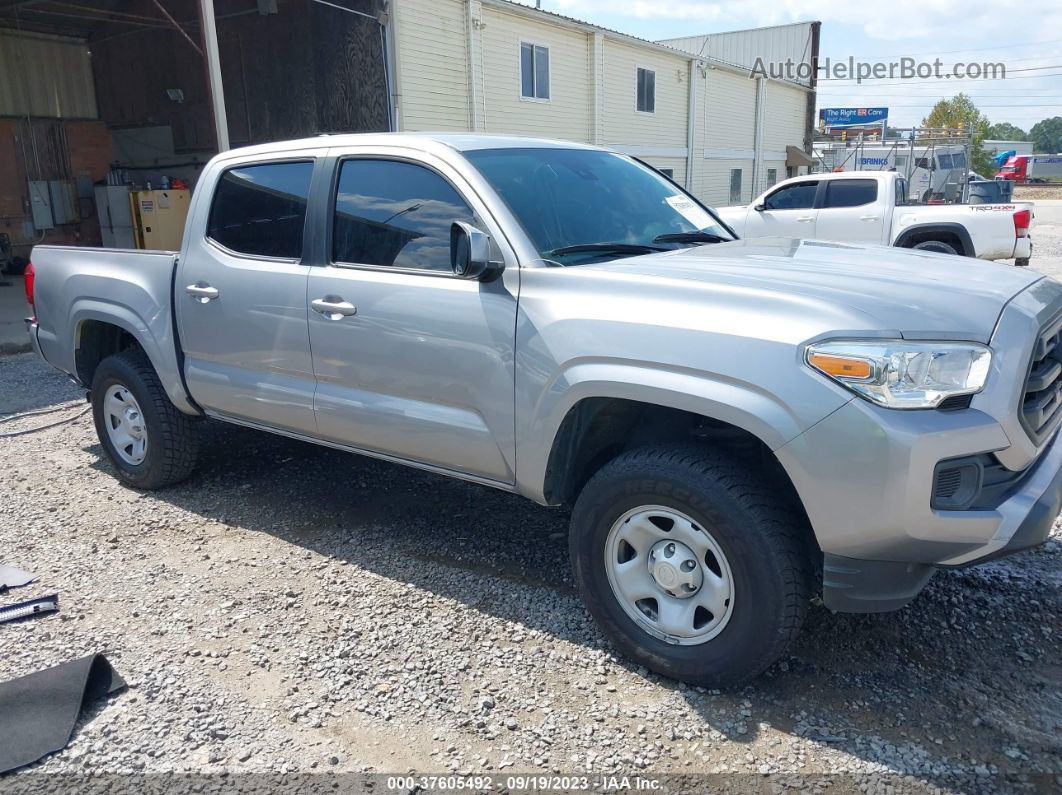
[686, 106]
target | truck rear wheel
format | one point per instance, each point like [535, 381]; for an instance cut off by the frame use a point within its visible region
[690, 564]
[938, 246]
[149, 441]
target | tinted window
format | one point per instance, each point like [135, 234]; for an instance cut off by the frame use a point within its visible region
[395, 214]
[851, 192]
[800, 196]
[944, 161]
[260, 210]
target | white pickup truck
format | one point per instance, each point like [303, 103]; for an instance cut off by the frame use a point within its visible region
[871, 207]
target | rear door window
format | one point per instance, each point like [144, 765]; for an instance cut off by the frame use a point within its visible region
[260, 210]
[851, 192]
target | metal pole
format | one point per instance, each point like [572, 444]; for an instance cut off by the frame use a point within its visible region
[213, 64]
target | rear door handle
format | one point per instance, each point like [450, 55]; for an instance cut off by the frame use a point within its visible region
[202, 292]
[804, 219]
[333, 307]
[868, 218]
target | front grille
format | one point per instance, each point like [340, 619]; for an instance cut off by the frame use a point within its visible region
[1041, 406]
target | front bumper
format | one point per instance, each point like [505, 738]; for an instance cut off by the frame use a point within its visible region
[854, 585]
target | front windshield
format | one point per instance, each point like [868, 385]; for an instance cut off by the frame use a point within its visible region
[589, 199]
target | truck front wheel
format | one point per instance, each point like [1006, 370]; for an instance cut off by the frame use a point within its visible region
[690, 564]
[149, 441]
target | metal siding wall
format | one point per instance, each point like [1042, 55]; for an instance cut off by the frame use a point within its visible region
[45, 76]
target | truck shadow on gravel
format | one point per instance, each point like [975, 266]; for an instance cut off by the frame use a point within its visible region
[968, 675]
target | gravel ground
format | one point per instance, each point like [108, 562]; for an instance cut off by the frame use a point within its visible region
[294, 609]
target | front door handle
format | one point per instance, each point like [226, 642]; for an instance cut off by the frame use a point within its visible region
[202, 292]
[806, 219]
[333, 307]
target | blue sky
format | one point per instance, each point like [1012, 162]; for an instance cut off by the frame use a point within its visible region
[1026, 37]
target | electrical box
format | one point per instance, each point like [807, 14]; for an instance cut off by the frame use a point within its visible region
[64, 201]
[41, 205]
[158, 218]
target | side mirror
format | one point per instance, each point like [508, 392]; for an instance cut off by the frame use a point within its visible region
[759, 207]
[470, 253]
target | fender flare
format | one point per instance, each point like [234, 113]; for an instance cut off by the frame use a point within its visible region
[740, 404]
[952, 228]
[161, 353]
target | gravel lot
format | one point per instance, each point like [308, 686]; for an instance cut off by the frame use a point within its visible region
[295, 609]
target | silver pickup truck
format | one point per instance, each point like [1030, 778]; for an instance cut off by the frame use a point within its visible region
[738, 425]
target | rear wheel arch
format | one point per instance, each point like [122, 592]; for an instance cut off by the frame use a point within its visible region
[95, 340]
[955, 235]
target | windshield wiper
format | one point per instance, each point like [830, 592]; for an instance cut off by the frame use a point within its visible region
[615, 248]
[691, 237]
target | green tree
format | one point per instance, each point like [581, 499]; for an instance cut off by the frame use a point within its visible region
[960, 113]
[1047, 135]
[1005, 131]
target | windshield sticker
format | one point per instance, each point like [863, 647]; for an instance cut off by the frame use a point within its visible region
[689, 210]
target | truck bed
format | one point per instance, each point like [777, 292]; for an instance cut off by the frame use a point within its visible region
[129, 288]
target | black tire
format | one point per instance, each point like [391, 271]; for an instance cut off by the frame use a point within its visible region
[763, 537]
[938, 246]
[1022, 262]
[172, 440]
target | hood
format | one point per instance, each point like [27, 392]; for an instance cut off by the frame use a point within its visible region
[919, 294]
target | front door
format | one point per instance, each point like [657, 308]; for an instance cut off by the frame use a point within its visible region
[787, 211]
[240, 295]
[411, 361]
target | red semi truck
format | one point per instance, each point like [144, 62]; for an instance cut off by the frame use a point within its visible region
[1032, 168]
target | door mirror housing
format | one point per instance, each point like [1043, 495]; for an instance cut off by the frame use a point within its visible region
[759, 207]
[470, 253]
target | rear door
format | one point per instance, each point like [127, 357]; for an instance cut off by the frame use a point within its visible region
[411, 361]
[852, 210]
[241, 294]
[787, 211]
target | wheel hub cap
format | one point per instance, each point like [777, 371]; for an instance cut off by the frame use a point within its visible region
[125, 424]
[675, 569]
[669, 575]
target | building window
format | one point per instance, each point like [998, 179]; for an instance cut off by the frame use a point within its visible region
[735, 186]
[772, 176]
[646, 90]
[259, 210]
[534, 71]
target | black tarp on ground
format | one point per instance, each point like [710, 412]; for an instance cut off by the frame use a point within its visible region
[38, 711]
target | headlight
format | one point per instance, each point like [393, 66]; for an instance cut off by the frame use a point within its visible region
[900, 374]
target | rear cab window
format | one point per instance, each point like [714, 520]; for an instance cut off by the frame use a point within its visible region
[259, 209]
[851, 193]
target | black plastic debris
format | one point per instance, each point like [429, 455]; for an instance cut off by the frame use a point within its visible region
[40, 710]
[43, 604]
